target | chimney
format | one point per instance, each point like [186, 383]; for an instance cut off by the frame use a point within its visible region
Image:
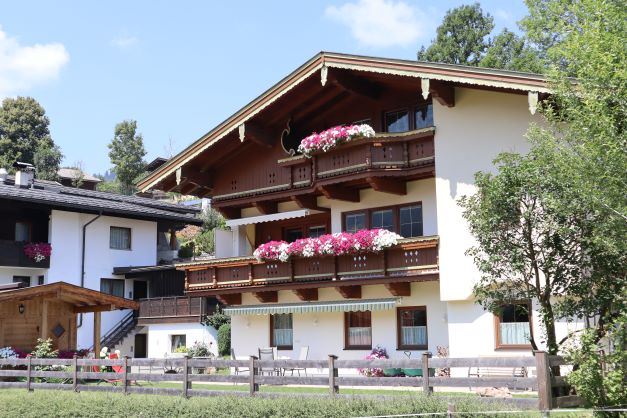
[25, 174]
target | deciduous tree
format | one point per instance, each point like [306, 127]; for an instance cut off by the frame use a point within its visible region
[127, 154]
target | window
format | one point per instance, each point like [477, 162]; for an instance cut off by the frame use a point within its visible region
[281, 331]
[293, 234]
[411, 221]
[120, 238]
[40, 280]
[22, 231]
[177, 341]
[406, 220]
[316, 231]
[358, 330]
[411, 328]
[382, 219]
[367, 121]
[24, 280]
[513, 325]
[397, 121]
[113, 287]
[424, 116]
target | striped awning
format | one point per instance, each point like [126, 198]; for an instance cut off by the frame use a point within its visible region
[309, 307]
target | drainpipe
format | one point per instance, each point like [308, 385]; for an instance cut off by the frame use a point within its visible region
[80, 317]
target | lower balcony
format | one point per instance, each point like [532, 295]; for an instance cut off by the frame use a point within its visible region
[411, 260]
[12, 255]
[169, 310]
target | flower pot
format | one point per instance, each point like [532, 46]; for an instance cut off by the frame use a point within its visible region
[392, 372]
[417, 372]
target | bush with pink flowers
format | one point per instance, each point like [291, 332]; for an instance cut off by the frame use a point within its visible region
[363, 241]
[38, 251]
[332, 137]
[377, 353]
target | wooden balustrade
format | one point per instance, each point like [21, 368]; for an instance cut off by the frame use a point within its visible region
[171, 309]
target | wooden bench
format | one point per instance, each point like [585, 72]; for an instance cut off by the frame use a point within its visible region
[497, 372]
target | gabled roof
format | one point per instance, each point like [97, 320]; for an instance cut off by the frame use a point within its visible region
[73, 173]
[471, 76]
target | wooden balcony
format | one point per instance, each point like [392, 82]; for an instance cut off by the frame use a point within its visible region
[405, 156]
[174, 309]
[12, 255]
[412, 260]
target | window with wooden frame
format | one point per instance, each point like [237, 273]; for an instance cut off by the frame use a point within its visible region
[409, 118]
[177, 341]
[23, 231]
[411, 328]
[405, 220]
[113, 287]
[317, 230]
[397, 121]
[281, 331]
[512, 324]
[119, 238]
[423, 116]
[358, 330]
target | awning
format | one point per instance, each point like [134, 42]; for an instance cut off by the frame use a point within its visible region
[300, 213]
[339, 306]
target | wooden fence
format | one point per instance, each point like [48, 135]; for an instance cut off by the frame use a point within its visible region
[74, 374]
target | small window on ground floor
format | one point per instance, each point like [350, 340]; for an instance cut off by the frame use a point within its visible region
[412, 328]
[178, 341]
[24, 280]
[281, 331]
[513, 325]
[113, 287]
[358, 330]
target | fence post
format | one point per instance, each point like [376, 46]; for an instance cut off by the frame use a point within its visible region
[29, 367]
[186, 382]
[450, 413]
[126, 370]
[425, 373]
[333, 388]
[75, 373]
[543, 370]
[252, 372]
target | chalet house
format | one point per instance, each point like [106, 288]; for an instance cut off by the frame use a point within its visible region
[91, 235]
[435, 125]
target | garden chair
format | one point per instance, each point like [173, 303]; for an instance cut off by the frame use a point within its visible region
[267, 354]
[238, 370]
[304, 353]
[119, 370]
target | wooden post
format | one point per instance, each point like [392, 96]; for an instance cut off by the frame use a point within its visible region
[44, 320]
[450, 413]
[126, 371]
[75, 373]
[333, 388]
[186, 382]
[252, 372]
[425, 373]
[97, 335]
[543, 370]
[29, 368]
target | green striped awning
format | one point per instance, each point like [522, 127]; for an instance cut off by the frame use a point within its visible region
[308, 307]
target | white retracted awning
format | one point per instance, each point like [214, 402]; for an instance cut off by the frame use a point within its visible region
[300, 213]
[309, 307]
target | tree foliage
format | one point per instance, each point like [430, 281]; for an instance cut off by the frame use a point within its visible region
[25, 136]
[127, 154]
[508, 51]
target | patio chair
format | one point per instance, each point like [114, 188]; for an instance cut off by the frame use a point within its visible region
[268, 354]
[304, 353]
[119, 370]
[238, 370]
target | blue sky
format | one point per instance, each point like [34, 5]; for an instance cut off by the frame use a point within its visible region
[181, 67]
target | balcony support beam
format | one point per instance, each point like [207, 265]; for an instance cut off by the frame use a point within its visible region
[350, 292]
[229, 212]
[230, 299]
[306, 295]
[307, 201]
[266, 208]
[441, 91]
[385, 185]
[267, 297]
[399, 288]
[253, 132]
[335, 192]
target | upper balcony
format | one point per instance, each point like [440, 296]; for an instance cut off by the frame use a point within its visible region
[337, 173]
[411, 260]
[173, 309]
[12, 255]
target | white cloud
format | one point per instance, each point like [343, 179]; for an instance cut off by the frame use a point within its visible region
[22, 67]
[504, 15]
[124, 41]
[380, 23]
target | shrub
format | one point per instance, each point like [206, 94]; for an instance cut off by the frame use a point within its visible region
[186, 250]
[217, 319]
[43, 349]
[377, 353]
[224, 339]
[204, 243]
[200, 349]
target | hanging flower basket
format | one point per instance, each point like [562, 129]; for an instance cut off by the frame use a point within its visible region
[364, 241]
[333, 137]
[38, 251]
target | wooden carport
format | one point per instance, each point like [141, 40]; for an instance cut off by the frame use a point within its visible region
[50, 311]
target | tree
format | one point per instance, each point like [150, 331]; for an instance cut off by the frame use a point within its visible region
[461, 38]
[509, 51]
[24, 133]
[127, 154]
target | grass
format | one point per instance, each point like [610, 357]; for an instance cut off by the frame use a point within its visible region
[47, 403]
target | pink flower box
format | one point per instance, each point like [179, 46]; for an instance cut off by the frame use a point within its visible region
[332, 137]
[38, 251]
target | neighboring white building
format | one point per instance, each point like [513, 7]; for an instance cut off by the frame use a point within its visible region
[436, 125]
[91, 234]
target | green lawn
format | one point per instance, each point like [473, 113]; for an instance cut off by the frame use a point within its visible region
[47, 403]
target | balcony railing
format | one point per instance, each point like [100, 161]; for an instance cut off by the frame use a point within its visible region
[12, 255]
[171, 309]
[407, 261]
[404, 153]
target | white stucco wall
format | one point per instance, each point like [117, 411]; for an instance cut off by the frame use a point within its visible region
[7, 273]
[159, 337]
[65, 236]
[324, 332]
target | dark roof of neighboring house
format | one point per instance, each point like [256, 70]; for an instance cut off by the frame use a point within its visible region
[80, 200]
[74, 173]
[154, 164]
